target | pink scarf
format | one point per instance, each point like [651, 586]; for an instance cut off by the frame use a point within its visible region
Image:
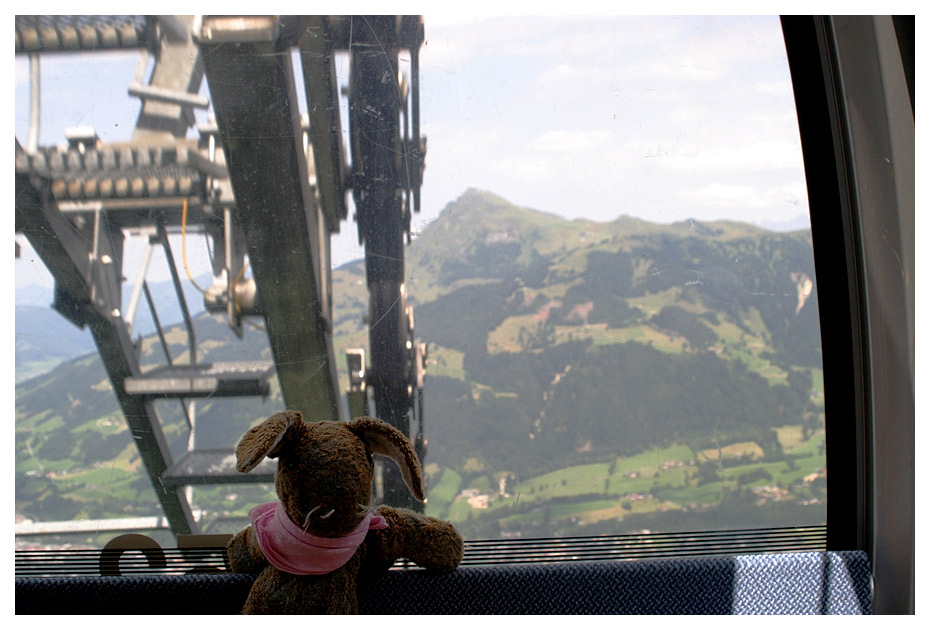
[292, 550]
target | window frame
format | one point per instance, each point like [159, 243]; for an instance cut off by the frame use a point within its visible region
[862, 222]
[835, 65]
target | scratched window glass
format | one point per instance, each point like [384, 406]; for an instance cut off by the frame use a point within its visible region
[588, 299]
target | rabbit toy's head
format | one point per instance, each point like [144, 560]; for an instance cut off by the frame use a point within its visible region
[325, 469]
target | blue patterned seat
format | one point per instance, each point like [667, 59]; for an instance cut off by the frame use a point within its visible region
[791, 583]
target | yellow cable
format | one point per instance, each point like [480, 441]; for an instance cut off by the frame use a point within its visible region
[240, 274]
[184, 254]
[235, 284]
[184, 245]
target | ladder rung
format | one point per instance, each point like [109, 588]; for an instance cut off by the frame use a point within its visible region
[215, 466]
[207, 379]
[175, 97]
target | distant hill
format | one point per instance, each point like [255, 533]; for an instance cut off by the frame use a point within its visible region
[45, 338]
[582, 377]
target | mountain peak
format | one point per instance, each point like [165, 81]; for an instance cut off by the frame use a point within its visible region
[491, 210]
[477, 200]
[481, 217]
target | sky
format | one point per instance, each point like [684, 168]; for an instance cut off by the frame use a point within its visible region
[665, 118]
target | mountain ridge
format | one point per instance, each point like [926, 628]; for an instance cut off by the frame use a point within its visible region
[527, 316]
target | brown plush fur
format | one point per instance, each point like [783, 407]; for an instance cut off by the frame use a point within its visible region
[328, 465]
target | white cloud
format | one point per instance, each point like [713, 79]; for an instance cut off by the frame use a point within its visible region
[21, 70]
[460, 138]
[527, 169]
[643, 148]
[572, 141]
[581, 111]
[446, 19]
[781, 89]
[720, 195]
[453, 43]
[682, 67]
[794, 193]
[564, 72]
[762, 154]
[725, 194]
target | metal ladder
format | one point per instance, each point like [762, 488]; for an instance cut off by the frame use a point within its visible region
[74, 204]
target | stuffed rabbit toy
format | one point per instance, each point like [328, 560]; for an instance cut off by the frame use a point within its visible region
[310, 547]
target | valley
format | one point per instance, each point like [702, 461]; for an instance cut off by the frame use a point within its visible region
[582, 378]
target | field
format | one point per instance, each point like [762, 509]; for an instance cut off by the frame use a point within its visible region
[654, 482]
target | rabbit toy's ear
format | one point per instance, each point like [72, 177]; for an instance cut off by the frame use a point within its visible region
[383, 439]
[264, 440]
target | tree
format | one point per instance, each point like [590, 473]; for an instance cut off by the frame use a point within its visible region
[708, 472]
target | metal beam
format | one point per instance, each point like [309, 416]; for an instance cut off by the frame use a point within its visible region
[71, 33]
[374, 116]
[178, 73]
[252, 87]
[319, 73]
[53, 238]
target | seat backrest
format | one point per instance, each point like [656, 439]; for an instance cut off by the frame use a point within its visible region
[791, 583]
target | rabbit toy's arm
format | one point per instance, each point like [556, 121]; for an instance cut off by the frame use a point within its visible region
[245, 556]
[428, 542]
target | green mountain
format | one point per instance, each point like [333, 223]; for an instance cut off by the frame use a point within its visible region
[44, 339]
[582, 377]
